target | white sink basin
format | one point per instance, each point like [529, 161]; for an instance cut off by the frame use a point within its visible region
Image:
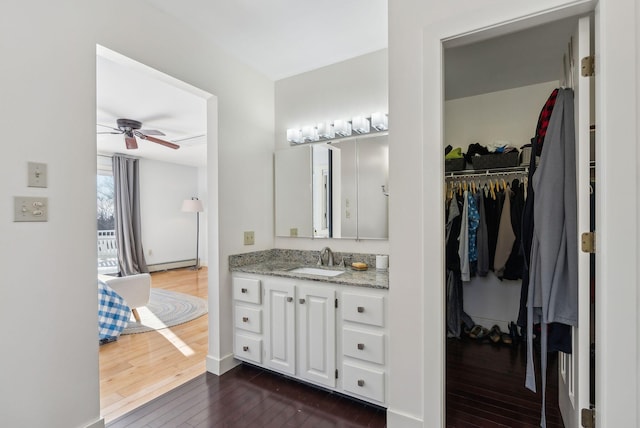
[316, 271]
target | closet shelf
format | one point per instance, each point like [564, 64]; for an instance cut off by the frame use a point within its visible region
[487, 172]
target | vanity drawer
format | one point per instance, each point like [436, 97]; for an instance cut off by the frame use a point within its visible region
[249, 319]
[247, 290]
[248, 348]
[363, 382]
[367, 346]
[363, 308]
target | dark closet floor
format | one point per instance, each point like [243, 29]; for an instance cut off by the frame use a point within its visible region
[485, 387]
[247, 396]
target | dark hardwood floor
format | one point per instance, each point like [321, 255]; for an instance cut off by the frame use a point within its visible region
[485, 387]
[247, 396]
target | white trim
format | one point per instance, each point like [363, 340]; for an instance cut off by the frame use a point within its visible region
[97, 424]
[397, 419]
[221, 366]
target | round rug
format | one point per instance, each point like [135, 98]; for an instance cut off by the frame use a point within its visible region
[166, 309]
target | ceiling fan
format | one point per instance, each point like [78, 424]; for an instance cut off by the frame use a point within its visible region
[131, 130]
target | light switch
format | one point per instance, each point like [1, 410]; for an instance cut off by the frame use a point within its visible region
[37, 174]
[28, 208]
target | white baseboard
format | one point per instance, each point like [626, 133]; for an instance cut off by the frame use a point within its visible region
[401, 420]
[219, 366]
[97, 424]
[171, 265]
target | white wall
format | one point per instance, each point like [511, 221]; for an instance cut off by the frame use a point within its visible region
[510, 115]
[416, 29]
[358, 86]
[48, 287]
[168, 234]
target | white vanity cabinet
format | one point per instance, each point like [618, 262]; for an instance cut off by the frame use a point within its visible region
[364, 344]
[327, 334]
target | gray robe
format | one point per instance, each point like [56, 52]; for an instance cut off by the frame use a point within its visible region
[553, 272]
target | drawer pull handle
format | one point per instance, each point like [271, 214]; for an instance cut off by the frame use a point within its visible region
[361, 309]
[245, 319]
[360, 382]
[243, 290]
[289, 299]
[302, 301]
[245, 348]
[361, 346]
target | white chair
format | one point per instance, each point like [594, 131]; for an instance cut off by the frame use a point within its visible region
[134, 289]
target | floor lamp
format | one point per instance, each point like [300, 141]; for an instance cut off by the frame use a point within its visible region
[194, 205]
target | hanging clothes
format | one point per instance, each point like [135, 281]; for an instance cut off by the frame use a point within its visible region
[553, 272]
[482, 242]
[506, 237]
[463, 240]
[515, 262]
[473, 222]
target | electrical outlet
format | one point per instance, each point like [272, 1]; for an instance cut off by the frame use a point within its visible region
[27, 208]
[293, 231]
[249, 238]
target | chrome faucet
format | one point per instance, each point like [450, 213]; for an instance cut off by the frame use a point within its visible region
[326, 250]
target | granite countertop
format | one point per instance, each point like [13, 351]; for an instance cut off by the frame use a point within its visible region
[276, 266]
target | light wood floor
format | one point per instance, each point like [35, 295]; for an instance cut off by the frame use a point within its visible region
[140, 367]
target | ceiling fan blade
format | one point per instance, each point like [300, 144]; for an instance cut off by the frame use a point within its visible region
[110, 127]
[151, 132]
[131, 142]
[156, 140]
[118, 133]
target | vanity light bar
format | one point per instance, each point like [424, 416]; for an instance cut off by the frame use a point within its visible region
[339, 129]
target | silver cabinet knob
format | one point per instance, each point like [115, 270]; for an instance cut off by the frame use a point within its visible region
[243, 290]
[245, 348]
[360, 382]
[245, 319]
[361, 346]
[361, 309]
[289, 299]
[302, 301]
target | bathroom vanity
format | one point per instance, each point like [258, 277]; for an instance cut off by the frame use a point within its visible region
[323, 325]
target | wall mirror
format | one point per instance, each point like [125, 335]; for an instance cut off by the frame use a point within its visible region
[333, 190]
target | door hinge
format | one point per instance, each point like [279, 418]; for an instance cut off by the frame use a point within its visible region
[336, 373]
[588, 418]
[336, 303]
[588, 66]
[589, 242]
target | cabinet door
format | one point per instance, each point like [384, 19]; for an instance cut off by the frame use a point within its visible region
[317, 334]
[280, 336]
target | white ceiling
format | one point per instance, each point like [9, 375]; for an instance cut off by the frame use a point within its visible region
[129, 90]
[278, 38]
[282, 38]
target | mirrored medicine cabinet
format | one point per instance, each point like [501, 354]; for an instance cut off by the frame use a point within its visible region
[333, 190]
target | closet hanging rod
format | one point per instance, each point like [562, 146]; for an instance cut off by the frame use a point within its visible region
[488, 172]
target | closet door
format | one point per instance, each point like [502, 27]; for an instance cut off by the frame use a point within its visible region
[574, 368]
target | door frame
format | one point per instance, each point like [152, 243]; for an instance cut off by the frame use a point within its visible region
[460, 30]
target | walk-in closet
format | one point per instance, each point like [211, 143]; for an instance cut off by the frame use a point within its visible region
[518, 118]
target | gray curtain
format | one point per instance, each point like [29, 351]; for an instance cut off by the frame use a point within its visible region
[127, 216]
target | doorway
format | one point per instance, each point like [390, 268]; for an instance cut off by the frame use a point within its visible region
[139, 367]
[494, 92]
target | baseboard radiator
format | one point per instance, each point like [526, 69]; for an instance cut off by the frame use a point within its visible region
[171, 265]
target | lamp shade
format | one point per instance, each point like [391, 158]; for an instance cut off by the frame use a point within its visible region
[192, 205]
